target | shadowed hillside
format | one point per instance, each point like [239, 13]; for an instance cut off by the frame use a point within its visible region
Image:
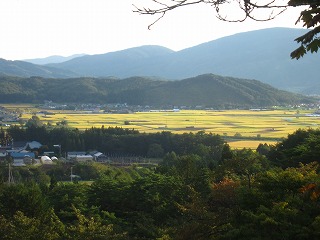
[206, 90]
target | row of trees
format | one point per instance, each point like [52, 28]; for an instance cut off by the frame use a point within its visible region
[117, 140]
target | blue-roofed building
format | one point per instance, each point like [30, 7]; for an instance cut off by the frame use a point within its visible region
[21, 158]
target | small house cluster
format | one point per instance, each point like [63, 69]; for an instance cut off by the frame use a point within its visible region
[20, 153]
[25, 153]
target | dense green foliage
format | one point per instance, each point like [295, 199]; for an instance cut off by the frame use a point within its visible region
[205, 90]
[310, 17]
[241, 195]
[301, 146]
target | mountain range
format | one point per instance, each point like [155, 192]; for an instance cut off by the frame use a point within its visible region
[52, 59]
[206, 90]
[263, 55]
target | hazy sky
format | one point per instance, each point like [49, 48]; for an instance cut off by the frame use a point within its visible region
[41, 28]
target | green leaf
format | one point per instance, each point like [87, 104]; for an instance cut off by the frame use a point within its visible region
[314, 46]
[299, 52]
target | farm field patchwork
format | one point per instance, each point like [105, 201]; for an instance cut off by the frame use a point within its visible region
[253, 126]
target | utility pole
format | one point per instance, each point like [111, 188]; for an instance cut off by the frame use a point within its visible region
[9, 159]
[58, 146]
[10, 176]
[71, 174]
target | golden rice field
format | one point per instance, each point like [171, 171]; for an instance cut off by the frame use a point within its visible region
[266, 124]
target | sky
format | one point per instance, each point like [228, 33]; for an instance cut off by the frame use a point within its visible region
[41, 28]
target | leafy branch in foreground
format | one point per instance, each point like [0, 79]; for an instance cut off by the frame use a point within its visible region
[249, 9]
[310, 17]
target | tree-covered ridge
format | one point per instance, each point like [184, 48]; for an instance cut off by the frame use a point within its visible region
[205, 90]
[26, 69]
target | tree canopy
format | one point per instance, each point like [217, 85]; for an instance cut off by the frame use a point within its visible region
[310, 16]
[200, 190]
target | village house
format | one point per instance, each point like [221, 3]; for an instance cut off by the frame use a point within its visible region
[23, 145]
[33, 145]
[79, 157]
[99, 156]
[22, 158]
[21, 154]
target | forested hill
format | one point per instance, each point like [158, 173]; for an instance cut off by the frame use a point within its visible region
[26, 69]
[205, 90]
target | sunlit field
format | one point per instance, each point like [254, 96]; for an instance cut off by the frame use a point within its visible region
[253, 144]
[270, 126]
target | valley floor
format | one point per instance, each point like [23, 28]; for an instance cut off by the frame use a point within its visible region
[240, 128]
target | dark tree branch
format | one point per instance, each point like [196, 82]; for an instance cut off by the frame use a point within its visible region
[310, 16]
[246, 6]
